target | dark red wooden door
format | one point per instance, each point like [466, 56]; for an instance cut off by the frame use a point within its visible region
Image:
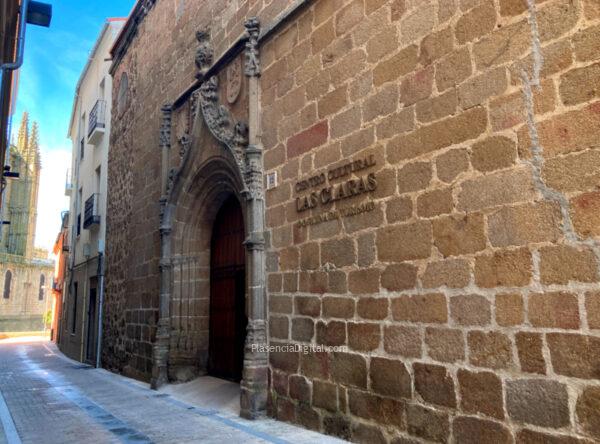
[227, 288]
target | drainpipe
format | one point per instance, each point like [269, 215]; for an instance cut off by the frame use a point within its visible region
[100, 307]
[40, 15]
[86, 289]
[20, 40]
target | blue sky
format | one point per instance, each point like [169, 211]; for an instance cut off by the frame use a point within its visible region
[54, 58]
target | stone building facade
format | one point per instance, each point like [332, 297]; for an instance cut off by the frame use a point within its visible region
[26, 297]
[61, 261]
[86, 186]
[429, 175]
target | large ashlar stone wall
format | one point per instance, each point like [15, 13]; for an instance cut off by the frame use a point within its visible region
[468, 297]
[467, 291]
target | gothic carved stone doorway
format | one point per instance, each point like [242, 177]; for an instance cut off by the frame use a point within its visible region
[228, 321]
[220, 156]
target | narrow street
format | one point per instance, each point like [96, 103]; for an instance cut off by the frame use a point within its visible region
[45, 397]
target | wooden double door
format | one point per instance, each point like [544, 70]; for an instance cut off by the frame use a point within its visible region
[227, 293]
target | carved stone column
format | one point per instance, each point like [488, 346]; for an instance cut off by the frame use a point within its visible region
[163, 333]
[165, 144]
[254, 385]
[161, 344]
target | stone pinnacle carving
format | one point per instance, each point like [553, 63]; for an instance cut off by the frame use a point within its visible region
[240, 138]
[165, 126]
[147, 5]
[184, 144]
[204, 53]
[193, 110]
[252, 67]
[171, 180]
[253, 172]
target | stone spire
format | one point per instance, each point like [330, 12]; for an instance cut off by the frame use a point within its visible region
[23, 135]
[33, 148]
[34, 166]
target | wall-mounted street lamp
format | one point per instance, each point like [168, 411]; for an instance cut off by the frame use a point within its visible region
[6, 174]
[10, 174]
[39, 14]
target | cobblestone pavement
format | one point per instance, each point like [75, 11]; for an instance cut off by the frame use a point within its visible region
[47, 398]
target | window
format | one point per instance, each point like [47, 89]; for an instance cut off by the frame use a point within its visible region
[7, 282]
[123, 90]
[102, 82]
[74, 314]
[82, 135]
[98, 176]
[42, 282]
[78, 205]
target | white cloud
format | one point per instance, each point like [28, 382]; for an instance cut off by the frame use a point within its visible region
[51, 199]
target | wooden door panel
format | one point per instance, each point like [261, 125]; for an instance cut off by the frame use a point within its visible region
[227, 301]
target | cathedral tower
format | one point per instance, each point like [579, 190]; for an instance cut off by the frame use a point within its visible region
[20, 207]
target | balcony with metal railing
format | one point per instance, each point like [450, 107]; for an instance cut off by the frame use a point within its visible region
[97, 122]
[91, 214]
[69, 183]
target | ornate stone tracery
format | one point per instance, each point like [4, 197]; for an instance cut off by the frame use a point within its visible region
[217, 117]
[221, 124]
[231, 133]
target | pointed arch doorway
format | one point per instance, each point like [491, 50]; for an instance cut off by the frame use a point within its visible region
[227, 320]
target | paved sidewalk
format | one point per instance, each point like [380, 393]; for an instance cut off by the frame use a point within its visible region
[3, 439]
[45, 397]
